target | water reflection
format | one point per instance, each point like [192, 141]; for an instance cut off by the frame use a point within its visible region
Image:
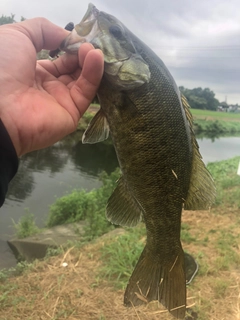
[22, 185]
[218, 149]
[51, 159]
[90, 160]
[93, 159]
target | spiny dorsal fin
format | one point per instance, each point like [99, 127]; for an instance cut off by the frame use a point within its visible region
[122, 208]
[202, 191]
[97, 130]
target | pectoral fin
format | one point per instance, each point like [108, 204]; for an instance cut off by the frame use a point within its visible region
[97, 130]
[122, 208]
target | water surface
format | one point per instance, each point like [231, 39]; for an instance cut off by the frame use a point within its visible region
[219, 148]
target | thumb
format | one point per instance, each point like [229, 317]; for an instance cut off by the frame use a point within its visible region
[87, 84]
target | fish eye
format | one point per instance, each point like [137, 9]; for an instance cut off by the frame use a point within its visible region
[116, 31]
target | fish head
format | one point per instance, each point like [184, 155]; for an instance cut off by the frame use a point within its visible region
[124, 67]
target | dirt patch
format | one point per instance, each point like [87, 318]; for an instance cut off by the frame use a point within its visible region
[51, 291]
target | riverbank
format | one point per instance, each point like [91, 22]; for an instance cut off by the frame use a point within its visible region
[86, 280]
[214, 122]
[205, 121]
[215, 115]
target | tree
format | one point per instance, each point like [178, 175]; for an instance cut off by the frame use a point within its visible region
[197, 102]
[9, 19]
[212, 102]
[199, 98]
[6, 19]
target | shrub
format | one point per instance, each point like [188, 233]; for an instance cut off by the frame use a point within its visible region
[88, 206]
[26, 226]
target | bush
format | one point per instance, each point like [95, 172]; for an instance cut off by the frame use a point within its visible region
[70, 208]
[88, 206]
[26, 226]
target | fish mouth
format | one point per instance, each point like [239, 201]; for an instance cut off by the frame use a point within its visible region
[83, 32]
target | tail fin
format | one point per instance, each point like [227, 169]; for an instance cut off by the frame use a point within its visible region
[152, 281]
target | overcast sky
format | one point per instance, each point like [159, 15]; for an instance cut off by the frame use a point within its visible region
[199, 41]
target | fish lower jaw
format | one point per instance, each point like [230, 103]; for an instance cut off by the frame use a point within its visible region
[72, 43]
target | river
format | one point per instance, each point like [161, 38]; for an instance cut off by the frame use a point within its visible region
[48, 174]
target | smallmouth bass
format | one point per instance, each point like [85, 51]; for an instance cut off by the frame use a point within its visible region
[162, 169]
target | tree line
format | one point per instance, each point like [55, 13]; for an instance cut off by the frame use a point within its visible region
[9, 19]
[199, 98]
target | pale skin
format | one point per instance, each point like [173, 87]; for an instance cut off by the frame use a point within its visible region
[41, 102]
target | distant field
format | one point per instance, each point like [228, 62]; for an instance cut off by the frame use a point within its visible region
[215, 115]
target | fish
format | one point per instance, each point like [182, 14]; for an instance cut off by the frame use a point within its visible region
[162, 170]
[53, 53]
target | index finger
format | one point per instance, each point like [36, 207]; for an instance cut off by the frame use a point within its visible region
[85, 88]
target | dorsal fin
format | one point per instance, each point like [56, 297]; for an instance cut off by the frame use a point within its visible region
[202, 191]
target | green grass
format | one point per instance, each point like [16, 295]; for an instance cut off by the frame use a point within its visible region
[121, 256]
[227, 182]
[227, 246]
[217, 126]
[204, 268]
[215, 114]
[217, 123]
[220, 288]
[185, 234]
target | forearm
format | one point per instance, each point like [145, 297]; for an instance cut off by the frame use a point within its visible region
[8, 162]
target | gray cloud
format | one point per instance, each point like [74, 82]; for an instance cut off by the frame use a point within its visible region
[199, 41]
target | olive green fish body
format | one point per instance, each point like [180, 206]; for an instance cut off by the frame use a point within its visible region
[150, 133]
[162, 170]
[155, 155]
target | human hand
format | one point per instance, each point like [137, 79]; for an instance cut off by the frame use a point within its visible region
[41, 102]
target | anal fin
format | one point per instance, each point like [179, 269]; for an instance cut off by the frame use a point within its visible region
[122, 208]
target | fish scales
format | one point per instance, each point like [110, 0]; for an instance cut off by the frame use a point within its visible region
[162, 169]
[151, 151]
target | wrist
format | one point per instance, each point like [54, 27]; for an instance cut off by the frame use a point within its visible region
[8, 161]
[10, 135]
